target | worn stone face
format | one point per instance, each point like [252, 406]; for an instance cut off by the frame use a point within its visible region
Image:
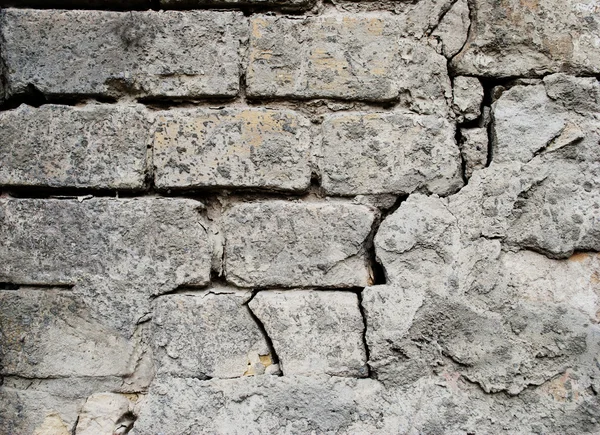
[314, 332]
[353, 57]
[95, 146]
[468, 95]
[150, 240]
[166, 54]
[532, 38]
[399, 153]
[252, 148]
[283, 4]
[104, 413]
[474, 146]
[453, 28]
[49, 333]
[208, 335]
[287, 244]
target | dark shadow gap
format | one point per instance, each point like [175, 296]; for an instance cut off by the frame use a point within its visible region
[261, 327]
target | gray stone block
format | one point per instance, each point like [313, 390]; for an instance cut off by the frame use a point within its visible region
[292, 244]
[389, 153]
[150, 240]
[516, 38]
[208, 335]
[286, 5]
[158, 54]
[467, 98]
[95, 146]
[249, 148]
[314, 331]
[350, 57]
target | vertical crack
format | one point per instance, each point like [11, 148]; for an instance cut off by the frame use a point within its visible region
[261, 327]
[364, 332]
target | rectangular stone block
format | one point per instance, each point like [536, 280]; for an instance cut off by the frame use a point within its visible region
[532, 38]
[49, 333]
[158, 54]
[208, 335]
[250, 148]
[291, 244]
[279, 4]
[95, 146]
[151, 240]
[314, 331]
[389, 153]
[351, 57]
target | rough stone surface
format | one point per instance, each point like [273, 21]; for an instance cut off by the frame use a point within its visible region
[531, 38]
[474, 147]
[79, 4]
[353, 57]
[468, 95]
[279, 243]
[453, 28]
[139, 240]
[314, 331]
[400, 153]
[252, 148]
[96, 146]
[279, 4]
[102, 414]
[209, 335]
[157, 54]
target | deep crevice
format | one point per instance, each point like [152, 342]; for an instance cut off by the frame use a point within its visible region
[18, 286]
[458, 138]
[261, 327]
[361, 309]
[36, 98]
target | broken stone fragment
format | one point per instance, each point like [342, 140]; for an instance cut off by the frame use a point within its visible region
[468, 96]
[105, 414]
[147, 240]
[453, 28]
[399, 153]
[531, 38]
[474, 149]
[314, 331]
[230, 148]
[159, 54]
[293, 244]
[94, 146]
[208, 335]
[350, 57]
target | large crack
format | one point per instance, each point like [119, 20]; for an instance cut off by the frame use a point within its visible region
[261, 327]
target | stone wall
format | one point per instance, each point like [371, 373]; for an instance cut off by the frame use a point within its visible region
[300, 216]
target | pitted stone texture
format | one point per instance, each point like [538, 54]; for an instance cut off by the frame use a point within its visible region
[29, 411]
[442, 403]
[80, 4]
[474, 148]
[95, 146]
[101, 412]
[48, 332]
[468, 95]
[252, 148]
[532, 38]
[158, 54]
[286, 5]
[453, 28]
[351, 57]
[314, 332]
[208, 335]
[389, 153]
[151, 240]
[294, 244]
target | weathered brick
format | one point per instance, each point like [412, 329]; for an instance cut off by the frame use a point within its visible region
[389, 153]
[279, 243]
[526, 38]
[209, 335]
[160, 54]
[280, 4]
[348, 57]
[252, 148]
[314, 331]
[140, 240]
[96, 146]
